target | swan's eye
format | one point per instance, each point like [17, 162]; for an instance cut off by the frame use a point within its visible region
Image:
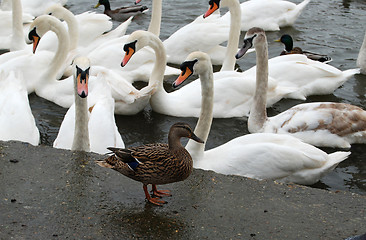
[127, 46]
[32, 34]
[187, 64]
[213, 2]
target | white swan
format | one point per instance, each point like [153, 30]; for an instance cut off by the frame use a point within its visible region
[233, 97]
[13, 24]
[361, 59]
[16, 119]
[42, 68]
[309, 77]
[201, 34]
[322, 124]
[128, 99]
[270, 15]
[33, 7]
[89, 124]
[234, 34]
[261, 155]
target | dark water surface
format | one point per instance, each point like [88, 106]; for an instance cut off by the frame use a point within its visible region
[332, 27]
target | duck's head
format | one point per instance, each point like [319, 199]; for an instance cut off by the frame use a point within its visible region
[181, 129]
[255, 37]
[81, 75]
[102, 2]
[136, 41]
[287, 41]
[195, 63]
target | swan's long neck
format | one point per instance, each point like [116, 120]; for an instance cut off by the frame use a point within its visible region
[61, 54]
[205, 119]
[234, 34]
[73, 28]
[361, 59]
[155, 21]
[258, 112]
[81, 132]
[157, 74]
[17, 40]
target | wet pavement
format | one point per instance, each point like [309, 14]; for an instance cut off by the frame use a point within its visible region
[48, 193]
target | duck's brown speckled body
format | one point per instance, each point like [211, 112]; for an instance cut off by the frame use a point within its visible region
[155, 163]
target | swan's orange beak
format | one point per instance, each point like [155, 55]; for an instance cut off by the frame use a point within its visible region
[35, 38]
[182, 77]
[128, 56]
[213, 7]
[137, 1]
[187, 70]
[82, 82]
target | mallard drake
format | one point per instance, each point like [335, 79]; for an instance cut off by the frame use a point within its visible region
[157, 163]
[123, 13]
[289, 49]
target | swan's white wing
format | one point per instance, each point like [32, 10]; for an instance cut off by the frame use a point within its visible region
[66, 131]
[270, 156]
[91, 26]
[16, 119]
[269, 14]
[103, 131]
[308, 76]
[199, 35]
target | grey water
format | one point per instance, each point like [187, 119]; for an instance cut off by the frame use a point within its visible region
[332, 27]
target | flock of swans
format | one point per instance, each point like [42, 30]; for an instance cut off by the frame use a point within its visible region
[77, 62]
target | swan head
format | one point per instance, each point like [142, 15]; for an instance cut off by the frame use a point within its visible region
[40, 26]
[195, 63]
[136, 41]
[56, 10]
[254, 37]
[81, 75]
[214, 5]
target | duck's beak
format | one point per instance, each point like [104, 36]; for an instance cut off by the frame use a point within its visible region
[137, 1]
[82, 82]
[96, 6]
[278, 40]
[197, 139]
[186, 73]
[213, 7]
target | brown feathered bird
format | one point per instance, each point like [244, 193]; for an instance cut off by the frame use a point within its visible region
[157, 163]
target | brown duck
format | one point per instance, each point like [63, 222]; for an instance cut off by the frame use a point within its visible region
[157, 163]
[123, 13]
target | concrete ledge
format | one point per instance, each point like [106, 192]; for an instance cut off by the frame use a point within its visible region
[48, 193]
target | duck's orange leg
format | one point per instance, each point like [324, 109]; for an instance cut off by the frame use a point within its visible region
[155, 201]
[159, 193]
